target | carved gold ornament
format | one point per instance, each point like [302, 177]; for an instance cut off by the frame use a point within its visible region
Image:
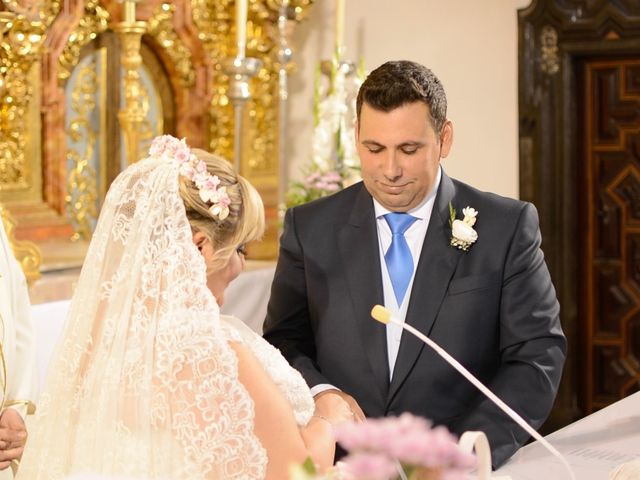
[549, 51]
[20, 42]
[27, 253]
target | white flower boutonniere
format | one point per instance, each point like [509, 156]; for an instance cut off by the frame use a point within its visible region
[462, 233]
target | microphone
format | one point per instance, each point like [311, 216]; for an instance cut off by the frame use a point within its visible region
[383, 315]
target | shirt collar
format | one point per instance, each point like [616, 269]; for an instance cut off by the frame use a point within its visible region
[419, 211]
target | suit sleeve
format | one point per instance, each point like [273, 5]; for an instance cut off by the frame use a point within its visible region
[288, 325]
[532, 345]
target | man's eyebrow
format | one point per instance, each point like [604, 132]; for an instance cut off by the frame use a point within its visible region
[408, 143]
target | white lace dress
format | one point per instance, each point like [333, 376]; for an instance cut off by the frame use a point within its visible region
[144, 384]
[288, 380]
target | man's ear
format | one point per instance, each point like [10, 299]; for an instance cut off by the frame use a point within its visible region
[446, 138]
[199, 239]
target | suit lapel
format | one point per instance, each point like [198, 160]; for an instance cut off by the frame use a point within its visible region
[438, 261]
[358, 244]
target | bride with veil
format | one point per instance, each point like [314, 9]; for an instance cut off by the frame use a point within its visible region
[149, 381]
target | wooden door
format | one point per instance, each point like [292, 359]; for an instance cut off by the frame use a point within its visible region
[610, 216]
[579, 163]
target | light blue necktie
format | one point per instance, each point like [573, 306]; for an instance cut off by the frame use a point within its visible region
[398, 257]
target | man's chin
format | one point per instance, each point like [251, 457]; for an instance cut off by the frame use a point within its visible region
[395, 203]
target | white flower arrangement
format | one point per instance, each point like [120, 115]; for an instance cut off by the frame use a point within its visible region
[462, 233]
[334, 161]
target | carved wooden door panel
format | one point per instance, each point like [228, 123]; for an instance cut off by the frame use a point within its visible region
[611, 216]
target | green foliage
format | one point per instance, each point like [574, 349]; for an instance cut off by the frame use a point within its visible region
[452, 214]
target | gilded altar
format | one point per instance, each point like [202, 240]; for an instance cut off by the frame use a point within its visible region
[65, 81]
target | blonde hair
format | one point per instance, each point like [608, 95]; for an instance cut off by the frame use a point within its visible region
[245, 222]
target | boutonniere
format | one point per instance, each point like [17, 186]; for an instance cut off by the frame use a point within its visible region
[462, 233]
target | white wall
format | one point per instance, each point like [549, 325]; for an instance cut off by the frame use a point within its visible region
[471, 45]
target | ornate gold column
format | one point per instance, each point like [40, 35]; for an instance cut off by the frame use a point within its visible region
[136, 107]
[20, 42]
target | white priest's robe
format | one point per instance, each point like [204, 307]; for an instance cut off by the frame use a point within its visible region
[18, 374]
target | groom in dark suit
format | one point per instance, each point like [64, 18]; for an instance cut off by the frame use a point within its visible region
[475, 281]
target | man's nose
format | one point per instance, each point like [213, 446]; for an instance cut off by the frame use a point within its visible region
[391, 168]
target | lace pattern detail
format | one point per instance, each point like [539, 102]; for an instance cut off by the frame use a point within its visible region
[144, 383]
[288, 380]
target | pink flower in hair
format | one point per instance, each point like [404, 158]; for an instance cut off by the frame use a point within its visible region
[183, 155]
[211, 193]
[158, 146]
[187, 170]
[170, 148]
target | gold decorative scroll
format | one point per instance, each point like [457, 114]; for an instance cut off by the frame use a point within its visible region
[549, 51]
[212, 18]
[27, 253]
[150, 126]
[20, 42]
[94, 21]
[82, 189]
[160, 27]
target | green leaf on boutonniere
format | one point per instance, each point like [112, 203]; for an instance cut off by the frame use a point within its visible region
[309, 466]
[452, 214]
[306, 471]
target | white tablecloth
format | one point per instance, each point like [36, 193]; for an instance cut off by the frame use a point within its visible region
[246, 298]
[593, 446]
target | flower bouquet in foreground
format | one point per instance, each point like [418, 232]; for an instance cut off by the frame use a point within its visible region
[404, 447]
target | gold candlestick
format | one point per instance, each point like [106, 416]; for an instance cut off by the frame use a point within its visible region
[135, 107]
[240, 71]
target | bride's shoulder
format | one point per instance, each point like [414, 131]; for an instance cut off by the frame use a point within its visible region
[236, 330]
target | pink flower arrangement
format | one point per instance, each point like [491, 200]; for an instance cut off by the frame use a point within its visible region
[316, 184]
[330, 181]
[401, 447]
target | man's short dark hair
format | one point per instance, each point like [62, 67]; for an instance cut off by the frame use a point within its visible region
[394, 84]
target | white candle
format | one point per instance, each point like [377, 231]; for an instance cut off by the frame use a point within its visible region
[129, 11]
[241, 26]
[339, 25]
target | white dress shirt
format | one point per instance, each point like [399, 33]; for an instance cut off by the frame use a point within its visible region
[414, 236]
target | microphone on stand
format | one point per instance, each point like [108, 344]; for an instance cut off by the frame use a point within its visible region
[383, 315]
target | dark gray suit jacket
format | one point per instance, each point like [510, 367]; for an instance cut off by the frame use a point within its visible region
[493, 308]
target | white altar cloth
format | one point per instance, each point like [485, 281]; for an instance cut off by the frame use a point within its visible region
[593, 446]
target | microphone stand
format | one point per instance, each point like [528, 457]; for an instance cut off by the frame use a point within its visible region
[383, 315]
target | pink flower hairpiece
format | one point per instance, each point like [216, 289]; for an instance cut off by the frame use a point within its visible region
[169, 148]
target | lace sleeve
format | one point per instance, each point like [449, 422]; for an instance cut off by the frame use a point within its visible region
[215, 426]
[288, 380]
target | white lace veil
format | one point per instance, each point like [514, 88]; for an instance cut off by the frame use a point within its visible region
[143, 383]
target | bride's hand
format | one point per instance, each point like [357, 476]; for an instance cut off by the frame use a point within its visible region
[337, 406]
[13, 435]
[626, 471]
